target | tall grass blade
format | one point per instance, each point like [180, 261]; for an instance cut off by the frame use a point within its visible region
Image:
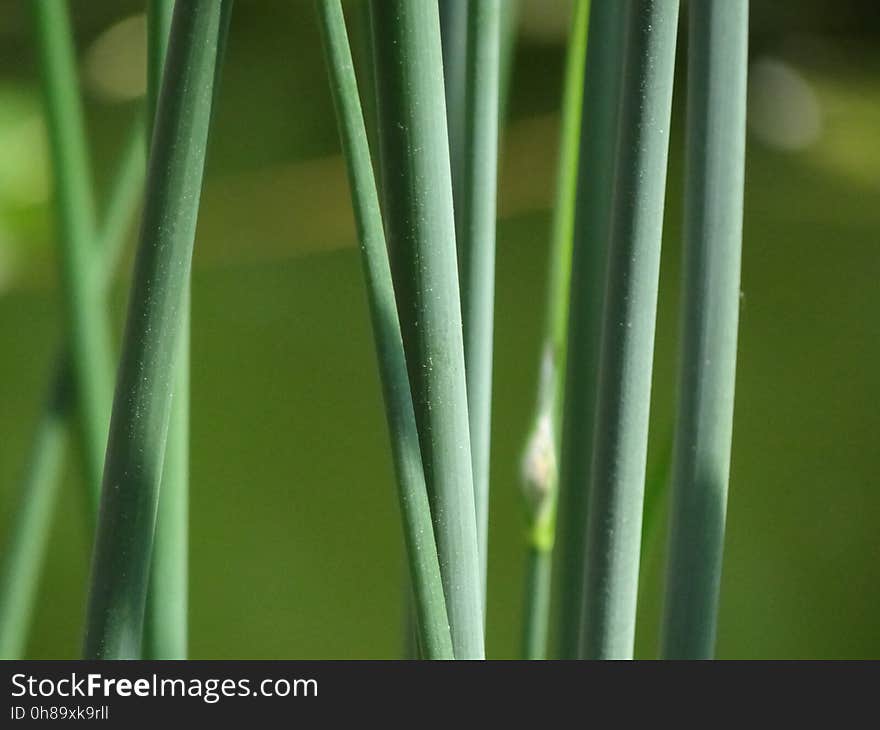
[629, 318]
[420, 227]
[718, 41]
[433, 625]
[362, 52]
[22, 558]
[475, 233]
[142, 405]
[454, 43]
[599, 130]
[542, 450]
[159, 15]
[165, 630]
[87, 324]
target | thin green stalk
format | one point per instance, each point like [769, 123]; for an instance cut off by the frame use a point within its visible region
[539, 568]
[421, 235]
[362, 49]
[454, 42]
[159, 15]
[87, 324]
[124, 198]
[142, 406]
[433, 626]
[627, 350]
[562, 242]
[166, 620]
[476, 240]
[165, 635]
[25, 550]
[599, 129]
[542, 450]
[712, 252]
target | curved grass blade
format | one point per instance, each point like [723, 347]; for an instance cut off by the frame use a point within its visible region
[142, 405]
[599, 130]
[627, 350]
[716, 121]
[420, 230]
[433, 627]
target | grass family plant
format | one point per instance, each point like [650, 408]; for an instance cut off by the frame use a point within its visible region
[541, 457]
[433, 625]
[142, 406]
[420, 228]
[716, 119]
[422, 169]
[620, 441]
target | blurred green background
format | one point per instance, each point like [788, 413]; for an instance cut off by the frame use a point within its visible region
[295, 542]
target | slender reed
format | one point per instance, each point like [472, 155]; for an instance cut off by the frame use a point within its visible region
[627, 349]
[420, 227]
[542, 449]
[362, 52]
[142, 405]
[475, 232]
[87, 324]
[599, 130]
[716, 120]
[433, 626]
[25, 550]
[165, 628]
[454, 43]
[123, 201]
[29, 528]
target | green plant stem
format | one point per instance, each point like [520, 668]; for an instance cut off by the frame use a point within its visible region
[29, 528]
[549, 407]
[421, 234]
[25, 549]
[124, 199]
[362, 51]
[159, 15]
[539, 566]
[716, 121]
[142, 406]
[476, 241]
[433, 625]
[87, 325]
[627, 350]
[599, 130]
[454, 43]
[165, 629]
